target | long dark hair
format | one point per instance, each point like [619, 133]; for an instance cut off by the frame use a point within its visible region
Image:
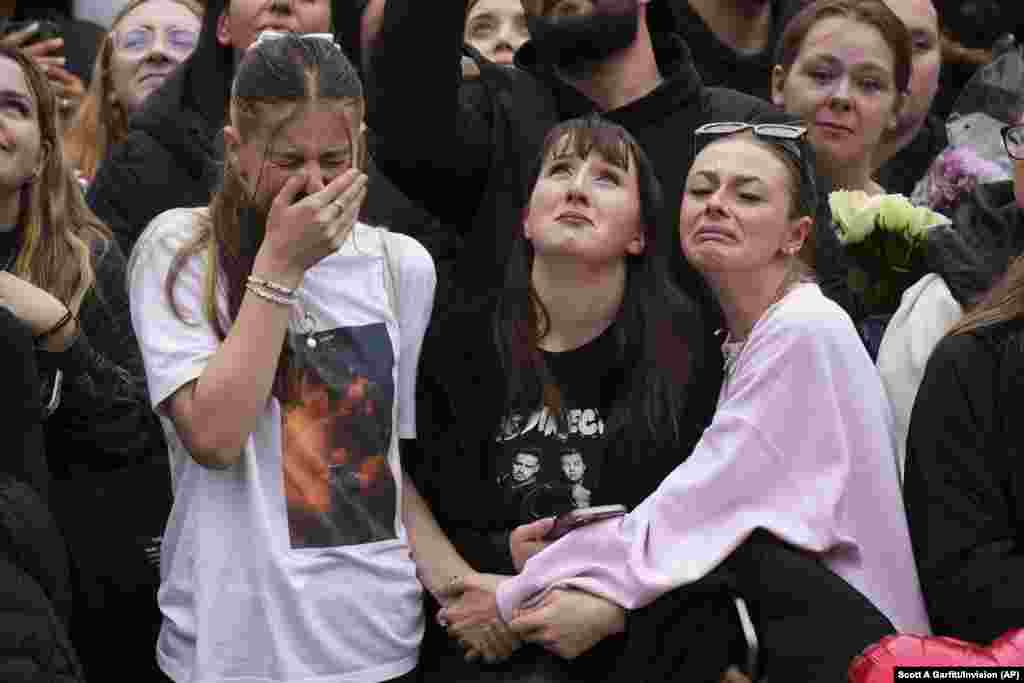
[657, 330]
[272, 82]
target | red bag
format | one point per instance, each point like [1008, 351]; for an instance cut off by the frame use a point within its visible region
[878, 662]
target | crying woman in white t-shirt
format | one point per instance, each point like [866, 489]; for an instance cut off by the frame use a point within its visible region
[280, 338]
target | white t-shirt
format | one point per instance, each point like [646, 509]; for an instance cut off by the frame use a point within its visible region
[293, 565]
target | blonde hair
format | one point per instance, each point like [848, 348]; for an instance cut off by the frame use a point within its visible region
[58, 230]
[101, 122]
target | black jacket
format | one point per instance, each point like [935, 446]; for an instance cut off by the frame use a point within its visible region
[35, 591]
[169, 157]
[964, 483]
[104, 420]
[21, 406]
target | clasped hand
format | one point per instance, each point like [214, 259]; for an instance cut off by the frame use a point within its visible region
[470, 615]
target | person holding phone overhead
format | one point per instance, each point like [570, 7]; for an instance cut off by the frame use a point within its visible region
[280, 339]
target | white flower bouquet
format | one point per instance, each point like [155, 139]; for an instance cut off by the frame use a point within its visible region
[884, 237]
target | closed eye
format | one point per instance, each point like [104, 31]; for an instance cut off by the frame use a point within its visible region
[18, 106]
[559, 168]
[872, 85]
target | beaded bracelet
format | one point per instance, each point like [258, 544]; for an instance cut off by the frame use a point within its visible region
[268, 295]
[65, 319]
[271, 285]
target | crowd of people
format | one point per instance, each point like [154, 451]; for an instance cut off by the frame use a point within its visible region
[318, 313]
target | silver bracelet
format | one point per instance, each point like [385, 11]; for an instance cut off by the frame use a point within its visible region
[268, 295]
[271, 285]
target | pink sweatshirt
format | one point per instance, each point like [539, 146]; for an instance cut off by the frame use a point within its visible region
[801, 445]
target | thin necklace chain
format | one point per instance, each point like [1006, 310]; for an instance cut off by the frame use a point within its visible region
[731, 355]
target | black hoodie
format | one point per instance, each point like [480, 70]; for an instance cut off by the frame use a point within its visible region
[719, 64]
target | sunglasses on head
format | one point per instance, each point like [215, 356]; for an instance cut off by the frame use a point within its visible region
[786, 136]
[781, 131]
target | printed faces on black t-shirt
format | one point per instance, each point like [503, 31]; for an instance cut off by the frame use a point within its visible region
[547, 464]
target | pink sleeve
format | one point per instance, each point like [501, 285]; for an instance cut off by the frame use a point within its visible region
[776, 456]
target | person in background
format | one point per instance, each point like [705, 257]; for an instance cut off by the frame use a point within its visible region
[734, 41]
[844, 67]
[974, 32]
[965, 260]
[22, 434]
[284, 399]
[907, 150]
[147, 41]
[964, 469]
[170, 156]
[496, 28]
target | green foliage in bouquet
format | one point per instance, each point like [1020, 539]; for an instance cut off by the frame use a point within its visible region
[884, 237]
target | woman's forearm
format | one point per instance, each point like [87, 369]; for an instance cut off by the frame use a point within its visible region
[437, 560]
[217, 413]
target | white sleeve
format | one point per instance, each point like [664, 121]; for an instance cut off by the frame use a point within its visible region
[416, 281]
[175, 350]
[927, 312]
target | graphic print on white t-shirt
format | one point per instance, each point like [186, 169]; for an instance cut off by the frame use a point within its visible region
[336, 433]
[548, 466]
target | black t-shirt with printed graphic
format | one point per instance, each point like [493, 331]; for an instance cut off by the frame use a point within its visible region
[545, 464]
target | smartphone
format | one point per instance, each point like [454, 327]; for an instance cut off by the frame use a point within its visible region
[573, 519]
[46, 31]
